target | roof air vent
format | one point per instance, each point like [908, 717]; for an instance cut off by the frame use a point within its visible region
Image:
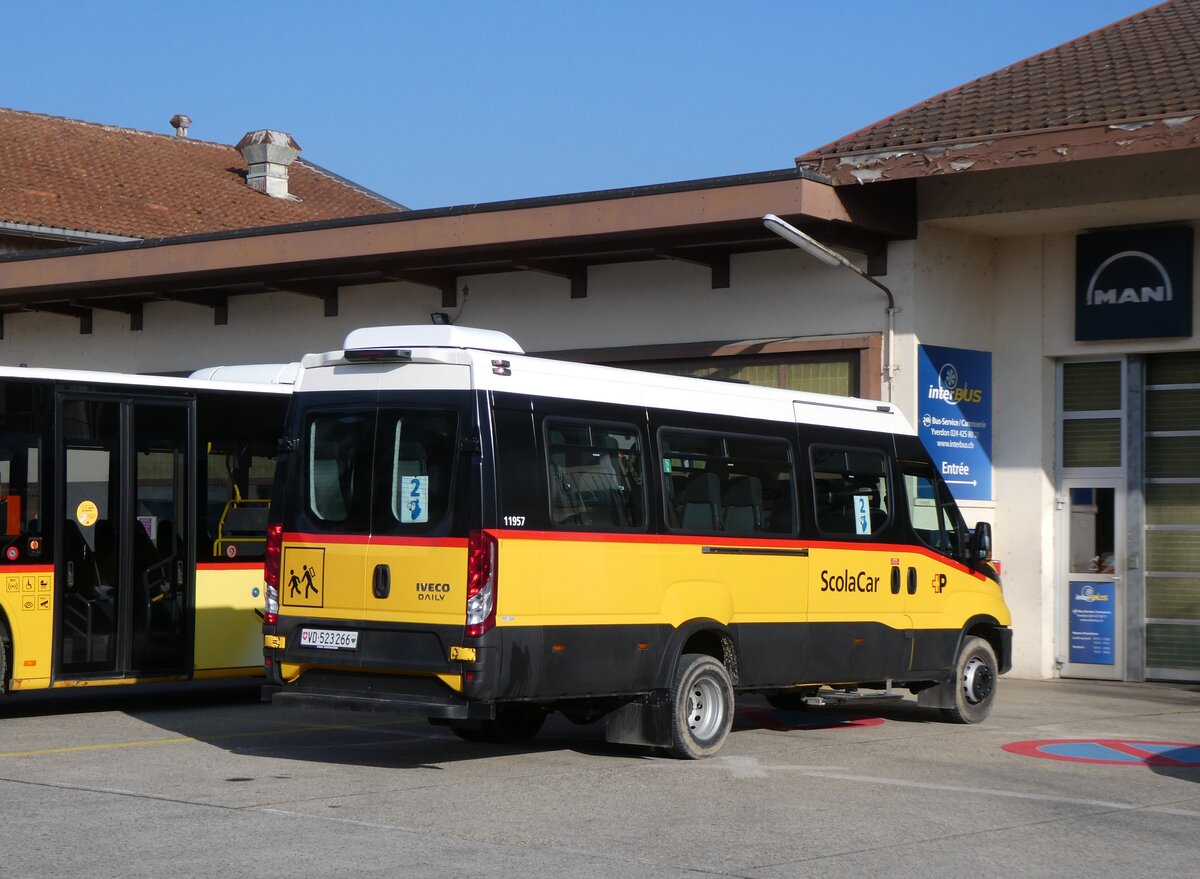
[181, 122]
[268, 153]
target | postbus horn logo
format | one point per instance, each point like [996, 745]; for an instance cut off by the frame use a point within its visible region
[1122, 295]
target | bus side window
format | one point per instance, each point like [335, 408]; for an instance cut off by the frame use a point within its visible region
[931, 512]
[733, 483]
[595, 477]
[20, 496]
[852, 490]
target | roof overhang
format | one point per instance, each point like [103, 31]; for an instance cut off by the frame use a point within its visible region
[702, 222]
[1009, 150]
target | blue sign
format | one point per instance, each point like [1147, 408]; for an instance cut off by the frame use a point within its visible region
[1092, 625]
[954, 417]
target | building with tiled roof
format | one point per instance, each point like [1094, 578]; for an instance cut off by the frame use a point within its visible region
[1129, 88]
[1034, 236]
[67, 182]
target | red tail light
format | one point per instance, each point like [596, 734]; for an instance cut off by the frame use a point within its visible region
[481, 583]
[271, 559]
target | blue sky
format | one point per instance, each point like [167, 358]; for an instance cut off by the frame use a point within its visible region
[444, 103]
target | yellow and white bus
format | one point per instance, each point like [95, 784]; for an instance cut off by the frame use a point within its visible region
[134, 513]
[481, 537]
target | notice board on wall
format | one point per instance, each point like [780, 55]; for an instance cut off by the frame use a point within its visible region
[954, 417]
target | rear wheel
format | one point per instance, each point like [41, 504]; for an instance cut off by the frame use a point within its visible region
[974, 681]
[701, 707]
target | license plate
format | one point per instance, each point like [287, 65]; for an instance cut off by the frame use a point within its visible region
[329, 639]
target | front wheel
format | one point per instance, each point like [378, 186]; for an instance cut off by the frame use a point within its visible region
[974, 681]
[701, 707]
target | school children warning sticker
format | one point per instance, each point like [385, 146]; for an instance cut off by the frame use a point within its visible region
[1111, 752]
[302, 576]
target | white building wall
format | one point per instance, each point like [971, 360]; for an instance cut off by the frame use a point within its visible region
[777, 294]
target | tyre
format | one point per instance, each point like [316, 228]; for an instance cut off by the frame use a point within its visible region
[974, 681]
[701, 707]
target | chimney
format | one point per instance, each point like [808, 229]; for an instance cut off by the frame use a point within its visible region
[181, 123]
[268, 153]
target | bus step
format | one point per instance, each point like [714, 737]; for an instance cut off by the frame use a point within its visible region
[835, 697]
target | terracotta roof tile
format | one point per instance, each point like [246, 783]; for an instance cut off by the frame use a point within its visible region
[81, 176]
[1146, 66]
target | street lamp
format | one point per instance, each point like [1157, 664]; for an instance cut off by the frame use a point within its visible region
[832, 258]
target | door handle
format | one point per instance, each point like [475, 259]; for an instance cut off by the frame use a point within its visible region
[912, 581]
[179, 573]
[895, 580]
[381, 581]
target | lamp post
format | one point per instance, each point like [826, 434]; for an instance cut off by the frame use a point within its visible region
[832, 258]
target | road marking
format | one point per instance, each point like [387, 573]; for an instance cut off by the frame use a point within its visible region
[1111, 752]
[751, 767]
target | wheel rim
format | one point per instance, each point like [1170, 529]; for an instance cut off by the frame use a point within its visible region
[978, 680]
[705, 708]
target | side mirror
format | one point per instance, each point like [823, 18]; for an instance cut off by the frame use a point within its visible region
[981, 542]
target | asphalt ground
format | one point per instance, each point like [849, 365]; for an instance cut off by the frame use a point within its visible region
[208, 781]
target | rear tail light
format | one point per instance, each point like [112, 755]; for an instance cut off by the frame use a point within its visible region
[271, 572]
[481, 583]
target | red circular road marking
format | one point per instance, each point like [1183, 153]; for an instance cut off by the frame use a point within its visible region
[1110, 752]
[786, 721]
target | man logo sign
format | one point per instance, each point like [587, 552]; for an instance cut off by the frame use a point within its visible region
[1134, 284]
[1098, 295]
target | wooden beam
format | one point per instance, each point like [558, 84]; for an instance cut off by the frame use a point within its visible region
[716, 261]
[574, 271]
[84, 315]
[133, 308]
[326, 291]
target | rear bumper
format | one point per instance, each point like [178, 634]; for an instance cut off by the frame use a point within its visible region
[446, 709]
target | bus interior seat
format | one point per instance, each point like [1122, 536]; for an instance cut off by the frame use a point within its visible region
[743, 504]
[594, 487]
[243, 525]
[699, 502]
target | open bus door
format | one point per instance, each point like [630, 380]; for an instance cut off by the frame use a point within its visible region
[124, 558]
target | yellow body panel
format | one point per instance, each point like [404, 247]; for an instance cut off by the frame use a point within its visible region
[27, 597]
[428, 584]
[228, 631]
[322, 580]
[560, 581]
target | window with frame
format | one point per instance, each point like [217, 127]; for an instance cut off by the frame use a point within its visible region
[419, 447]
[727, 483]
[338, 467]
[852, 492]
[596, 475]
[932, 512]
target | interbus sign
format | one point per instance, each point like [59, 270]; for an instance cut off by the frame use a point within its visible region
[1134, 284]
[955, 417]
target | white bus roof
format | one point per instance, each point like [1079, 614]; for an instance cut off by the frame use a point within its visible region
[402, 357]
[255, 373]
[88, 376]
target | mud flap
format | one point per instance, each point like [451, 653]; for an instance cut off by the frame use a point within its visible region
[645, 722]
[940, 696]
